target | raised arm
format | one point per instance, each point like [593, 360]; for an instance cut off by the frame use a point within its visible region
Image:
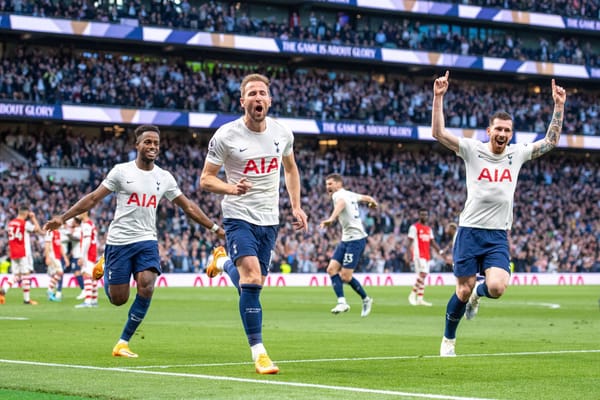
[550, 141]
[438, 126]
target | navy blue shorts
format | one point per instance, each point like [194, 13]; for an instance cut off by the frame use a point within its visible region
[246, 239]
[348, 253]
[121, 262]
[476, 250]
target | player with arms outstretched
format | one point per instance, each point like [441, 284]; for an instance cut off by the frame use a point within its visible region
[354, 240]
[132, 240]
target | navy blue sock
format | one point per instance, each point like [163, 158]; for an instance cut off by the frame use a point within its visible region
[338, 285]
[251, 312]
[482, 291]
[454, 312]
[137, 312]
[231, 270]
[358, 288]
[80, 281]
[59, 284]
[106, 286]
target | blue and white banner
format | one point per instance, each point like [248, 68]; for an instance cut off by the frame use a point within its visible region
[477, 13]
[211, 121]
[312, 49]
[29, 111]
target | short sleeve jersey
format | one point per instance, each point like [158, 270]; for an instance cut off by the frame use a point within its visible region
[138, 194]
[75, 237]
[19, 241]
[54, 239]
[89, 241]
[349, 218]
[422, 235]
[491, 183]
[257, 157]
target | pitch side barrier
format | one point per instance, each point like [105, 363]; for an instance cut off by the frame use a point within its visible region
[318, 280]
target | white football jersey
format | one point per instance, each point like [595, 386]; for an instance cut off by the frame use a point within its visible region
[138, 194]
[491, 183]
[349, 218]
[75, 238]
[257, 157]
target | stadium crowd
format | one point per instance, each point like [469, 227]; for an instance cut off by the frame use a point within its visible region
[362, 28]
[61, 75]
[557, 205]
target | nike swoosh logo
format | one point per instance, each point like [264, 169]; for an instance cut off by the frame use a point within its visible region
[244, 149]
[129, 181]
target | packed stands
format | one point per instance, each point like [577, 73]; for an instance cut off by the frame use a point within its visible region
[556, 206]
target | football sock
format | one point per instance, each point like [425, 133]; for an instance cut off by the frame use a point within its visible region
[53, 282]
[338, 285]
[106, 290]
[8, 284]
[87, 282]
[26, 286]
[80, 281]
[419, 286]
[94, 292]
[59, 283]
[358, 288]
[251, 312]
[454, 312]
[231, 270]
[482, 291]
[137, 312]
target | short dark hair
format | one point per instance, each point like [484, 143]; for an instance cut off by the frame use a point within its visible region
[500, 115]
[335, 177]
[23, 207]
[139, 131]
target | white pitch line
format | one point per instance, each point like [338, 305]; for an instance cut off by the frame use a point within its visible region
[245, 380]
[524, 353]
[508, 303]
[15, 318]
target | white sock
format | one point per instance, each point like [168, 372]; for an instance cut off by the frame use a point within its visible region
[257, 350]
[341, 300]
[221, 262]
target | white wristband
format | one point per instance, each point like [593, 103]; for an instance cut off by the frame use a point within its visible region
[214, 228]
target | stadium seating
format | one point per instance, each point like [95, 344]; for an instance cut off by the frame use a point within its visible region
[556, 206]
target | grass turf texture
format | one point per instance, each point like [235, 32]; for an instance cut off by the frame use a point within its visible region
[192, 346]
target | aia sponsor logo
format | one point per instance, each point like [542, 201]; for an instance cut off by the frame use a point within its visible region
[495, 175]
[142, 200]
[261, 166]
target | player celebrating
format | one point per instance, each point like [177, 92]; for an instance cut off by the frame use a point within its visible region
[21, 256]
[492, 170]
[132, 244]
[252, 150]
[354, 239]
[420, 241]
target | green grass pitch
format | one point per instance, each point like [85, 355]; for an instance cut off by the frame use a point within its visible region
[535, 343]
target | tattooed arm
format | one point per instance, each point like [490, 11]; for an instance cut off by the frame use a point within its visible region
[549, 142]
